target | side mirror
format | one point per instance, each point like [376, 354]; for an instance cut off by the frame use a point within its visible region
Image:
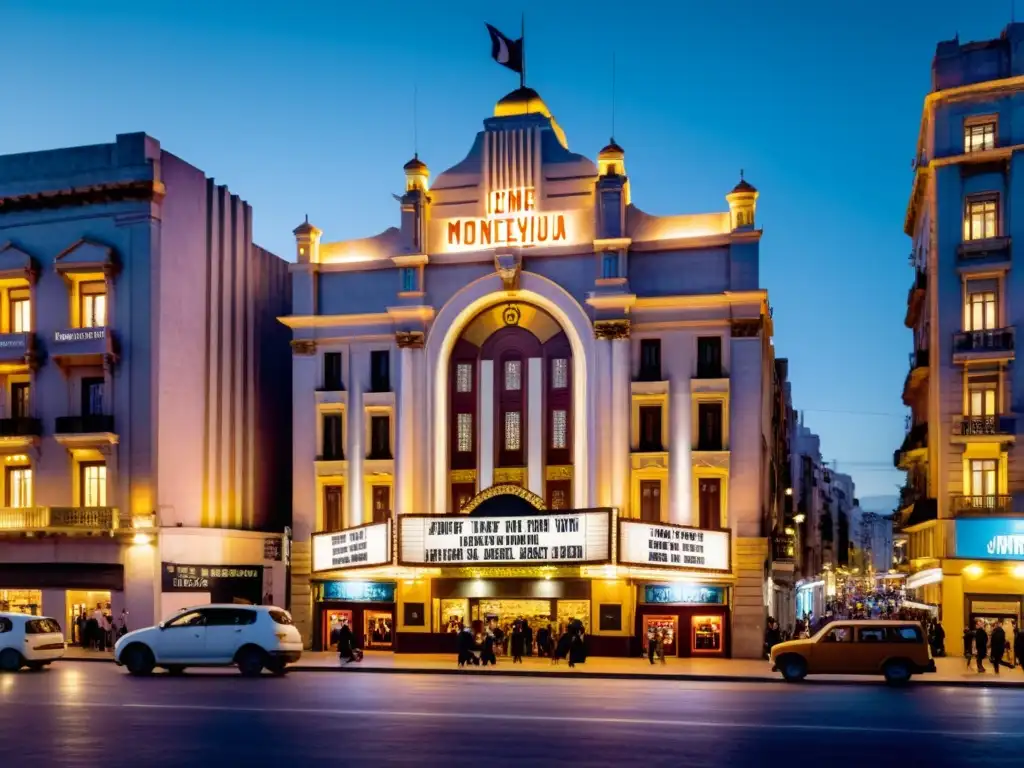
[161, 626]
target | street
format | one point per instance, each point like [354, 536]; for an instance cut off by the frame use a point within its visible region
[88, 714]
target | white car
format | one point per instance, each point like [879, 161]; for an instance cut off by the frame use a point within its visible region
[29, 641]
[252, 636]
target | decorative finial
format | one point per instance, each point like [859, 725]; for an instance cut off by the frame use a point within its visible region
[307, 218]
[741, 174]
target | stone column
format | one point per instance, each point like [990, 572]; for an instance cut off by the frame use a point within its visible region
[405, 423]
[305, 449]
[485, 443]
[355, 450]
[617, 332]
[535, 426]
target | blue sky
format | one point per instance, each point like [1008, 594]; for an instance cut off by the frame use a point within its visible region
[307, 107]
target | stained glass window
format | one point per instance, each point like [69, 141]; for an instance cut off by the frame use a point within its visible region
[464, 377]
[512, 436]
[558, 429]
[513, 375]
[559, 373]
[464, 429]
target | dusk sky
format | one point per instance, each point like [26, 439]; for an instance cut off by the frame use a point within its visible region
[308, 107]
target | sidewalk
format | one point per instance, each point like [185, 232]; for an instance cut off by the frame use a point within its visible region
[950, 671]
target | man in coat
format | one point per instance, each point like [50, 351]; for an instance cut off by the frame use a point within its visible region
[998, 645]
[980, 645]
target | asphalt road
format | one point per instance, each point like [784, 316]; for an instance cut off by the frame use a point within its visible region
[80, 714]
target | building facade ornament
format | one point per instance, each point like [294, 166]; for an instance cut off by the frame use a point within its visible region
[558, 472]
[507, 266]
[611, 330]
[304, 347]
[409, 339]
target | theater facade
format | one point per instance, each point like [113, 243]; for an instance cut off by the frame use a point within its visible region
[530, 399]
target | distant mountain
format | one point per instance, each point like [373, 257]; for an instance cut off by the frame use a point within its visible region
[882, 505]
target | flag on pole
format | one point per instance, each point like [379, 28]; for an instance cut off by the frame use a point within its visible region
[505, 51]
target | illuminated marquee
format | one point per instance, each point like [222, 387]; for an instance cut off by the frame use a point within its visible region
[512, 219]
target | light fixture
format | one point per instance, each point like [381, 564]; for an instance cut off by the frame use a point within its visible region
[790, 531]
[141, 539]
[798, 519]
[789, 491]
[973, 570]
[1018, 571]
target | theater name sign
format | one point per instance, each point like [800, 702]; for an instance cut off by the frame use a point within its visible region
[512, 220]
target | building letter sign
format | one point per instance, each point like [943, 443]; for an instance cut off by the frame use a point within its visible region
[512, 220]
[990, 538]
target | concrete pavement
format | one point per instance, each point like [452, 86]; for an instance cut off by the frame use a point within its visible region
[949, 671]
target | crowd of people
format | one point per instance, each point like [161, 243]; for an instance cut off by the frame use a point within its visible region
[482, 643]
[97, 630]
[1000, 641]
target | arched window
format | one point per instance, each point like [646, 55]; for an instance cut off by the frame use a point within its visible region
[462, 430]
[558, 418]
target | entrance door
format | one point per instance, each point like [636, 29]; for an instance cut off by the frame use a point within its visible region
[333, 622]
[379, 628]
[710, 502]
[668, 627]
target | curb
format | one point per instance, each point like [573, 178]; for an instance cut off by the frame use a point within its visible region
[918, 681]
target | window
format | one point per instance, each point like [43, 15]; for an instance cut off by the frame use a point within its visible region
[650, 428]
[559, 499]
[21, 311]
[871, 635]
[332, 427]
[839, 635]
[380, 371]
[229, 617]
[710, 502]
[464, 433]
[610, 265]
[92, 396]
[983, 477]
[380, 496]
[709, 357]
[709, 427]
[380, 437]
[650, 501]
[281, 617]
[93, 305]
[981, 219]
[187, 619]
[464, 377]
[21, 400]
[981, 399]
[332, 372]
[42, 627]
[94, 485]
[513, 375]
[333, 509]
[512, 436]
[559, 373]
[559, 427]
[979, 136]
[408, 278]
[6, 625]
[650, 359]
[19, 487]
[909, 634]
[981, 312]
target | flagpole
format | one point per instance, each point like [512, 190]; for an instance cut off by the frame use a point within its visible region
[522, 49]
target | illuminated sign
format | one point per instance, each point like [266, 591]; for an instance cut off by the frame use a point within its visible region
[990, 538]
[673, 546]
[570, 537]
[360, 591]
[684, 594]
[359, 547]
[512, 219]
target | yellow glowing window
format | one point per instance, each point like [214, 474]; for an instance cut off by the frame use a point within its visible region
[93, 305]
[981, 219]
[980, 136]
[983, 477]
[94, 485]
[982, 401]
[19, 487]
[980, 311]
[21, 312]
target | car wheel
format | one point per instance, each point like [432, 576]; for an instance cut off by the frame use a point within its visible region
[897, 672]
[793, 668]
[10, 660]
[277, 667]
[176, 671]
[138, 659]
[250, 661]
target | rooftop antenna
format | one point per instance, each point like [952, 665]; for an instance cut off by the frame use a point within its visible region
[613, 95]
[415, 120]
[522, 50]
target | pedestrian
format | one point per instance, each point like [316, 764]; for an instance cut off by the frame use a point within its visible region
[968, 645]
[772, 637]
[487, 651]
[543, 634]
[465, 646]
[518, 642]
[1018, 647]
[938, 637]
[652, 643]
[980, 645]
[998, 645]
[527, 637]
[346, 644]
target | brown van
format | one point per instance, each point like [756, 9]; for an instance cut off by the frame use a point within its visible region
[896, 649]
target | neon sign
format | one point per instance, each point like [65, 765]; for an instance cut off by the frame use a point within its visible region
[512, 219]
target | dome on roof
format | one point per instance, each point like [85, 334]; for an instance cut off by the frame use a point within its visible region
[744, 186]
[304, 228]
[521, 101]
[416, 164]
[612, 150]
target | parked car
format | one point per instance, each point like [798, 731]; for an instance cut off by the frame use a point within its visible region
[896, 649]
[29, 641]
[253, 637]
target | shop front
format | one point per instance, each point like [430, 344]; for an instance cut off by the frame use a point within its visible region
[690, 619]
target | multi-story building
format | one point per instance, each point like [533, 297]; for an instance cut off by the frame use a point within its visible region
[781, 584]
[960, 516]
[533, 399]
[144, 436]
[813, 518]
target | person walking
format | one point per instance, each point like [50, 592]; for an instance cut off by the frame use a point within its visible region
[968, 645]
[346, 644]
[980, 645]
[518, 642]
[998, 646]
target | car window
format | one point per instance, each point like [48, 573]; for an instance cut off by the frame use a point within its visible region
[871, 635]
[5, 624]
[906, 634]
[281, 617]
[41, 627]
[188, 619]
[229, 617]
[838, 635]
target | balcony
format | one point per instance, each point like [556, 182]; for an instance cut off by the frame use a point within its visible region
[89, 430]
[915, 299]
[995, 344]
[989, 249]
[981, 506]
[19, 433]
[982, 429]
[17, 349]
[82, 521]
[83, 346]
[912, 447]
[916, 376]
